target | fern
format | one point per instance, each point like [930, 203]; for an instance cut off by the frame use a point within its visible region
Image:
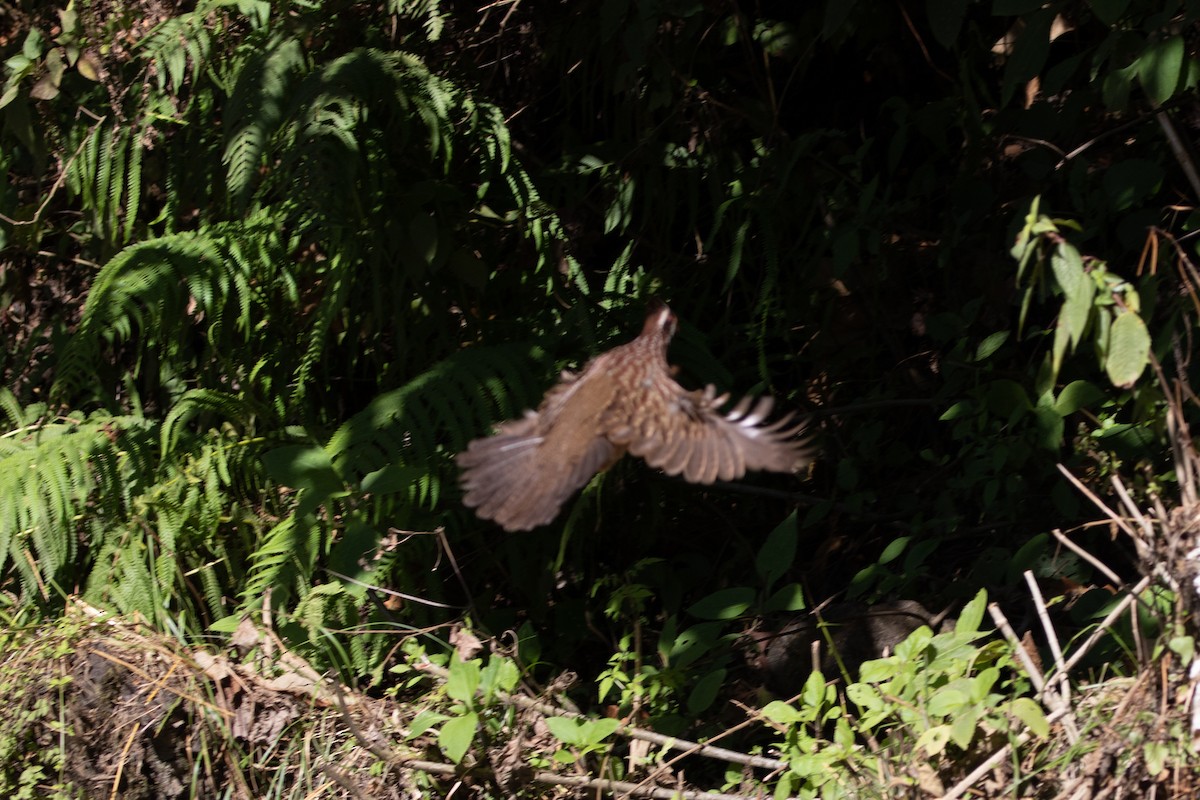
[146, 288]
[49, 476]
[259, 97]
[397, 445]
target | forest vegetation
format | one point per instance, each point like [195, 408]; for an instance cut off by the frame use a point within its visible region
[267, 267]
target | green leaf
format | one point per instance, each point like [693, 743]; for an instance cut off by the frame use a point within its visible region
[1007, 399]
[815, 690]
[1160, 67]
[1077, 311]
[1184, 647]
[946, 701]
[303, 466]
[499, 674]
[789, 597]
[894, 549]
[456, 735]
[781, 712]
[1032, 714]
[1157, 755]
[580, 732]
[971, 616]
[724, 604]
[423, 721]
[960, 409]
[963, 727]
[1076, 395]
[945, 19]
[691, 644]
[1067, 266]
[463, 680]
[933, 741]
[705, 691]
[778, 551]
[1128, 350]
[1130, 182]
[1050, 427]
[991, 344]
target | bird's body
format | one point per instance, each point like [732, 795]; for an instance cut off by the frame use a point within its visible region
[624, 400]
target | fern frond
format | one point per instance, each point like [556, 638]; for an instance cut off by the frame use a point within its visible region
[48, 477]
[133, 187]
[410, 425]
[286, 551]
[146, 289]
[234, 408]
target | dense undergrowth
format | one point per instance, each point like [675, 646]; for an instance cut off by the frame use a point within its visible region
[267, 267]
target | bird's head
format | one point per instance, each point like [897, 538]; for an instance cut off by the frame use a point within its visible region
[660, 322]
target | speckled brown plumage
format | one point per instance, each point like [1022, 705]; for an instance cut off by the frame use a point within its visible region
[624, 400]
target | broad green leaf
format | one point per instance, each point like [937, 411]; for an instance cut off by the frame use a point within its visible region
[1130, 182]
[945, 19]
[778, 552]
[960, 409]
[723, 604]
[1116, 88]
[1007, 399]
[499, 674]
[581, 732]
[705, 691]
[1067, 266]
[946, 701]
[1050, 427]
[1032, 714]
[1160, 67]
[933, 741]
[981, 685]
[781, 712]
[463, 680]
[1077, 311]
[1184, 647]
[1062, 337]
[423, 721]
[1157, 755]
[991, 344]
[1128, 350]
[912, 647]
[303, 466]
[1076, 395]
[789, 597]
[456, 735]
[894, 549]
[692, 644]
[970, 618]
[963, 727]
[815, 690]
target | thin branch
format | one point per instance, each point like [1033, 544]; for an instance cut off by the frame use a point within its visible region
[1061, 676]
[1086, 556]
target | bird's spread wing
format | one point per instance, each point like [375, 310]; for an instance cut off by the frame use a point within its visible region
[521, 476]
[703, 445]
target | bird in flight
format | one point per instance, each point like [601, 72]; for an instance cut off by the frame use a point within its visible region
[623, 400]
